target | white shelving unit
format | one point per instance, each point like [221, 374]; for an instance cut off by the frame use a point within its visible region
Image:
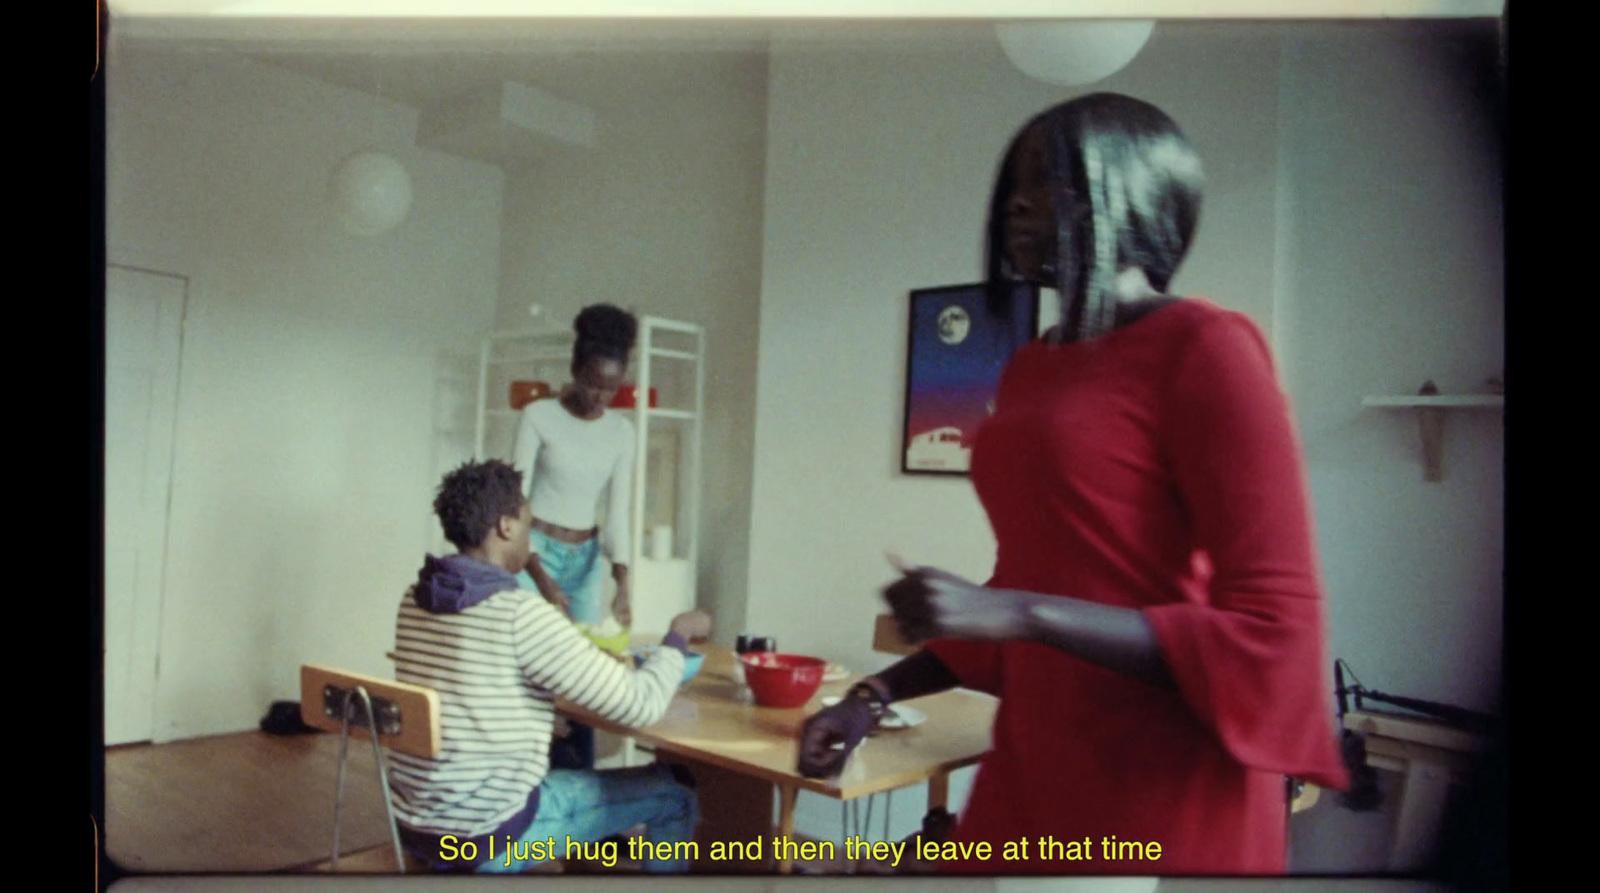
[531, 354]
[665, 587]
[662, 587]
[1431, 409]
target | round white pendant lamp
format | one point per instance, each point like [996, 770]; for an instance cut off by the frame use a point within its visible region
[1072, 54]
[372, 193]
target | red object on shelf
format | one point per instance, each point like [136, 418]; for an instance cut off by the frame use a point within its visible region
[525, 392]
[628, 398]
[782, 680]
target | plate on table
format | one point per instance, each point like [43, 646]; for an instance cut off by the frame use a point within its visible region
[898, 716]
[902, 717]
[834, 673]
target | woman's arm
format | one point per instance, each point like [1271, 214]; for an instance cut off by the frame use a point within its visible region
[622, 604]
[1251, 659]
[619, 527]
[525, 448]
[554, 656]
[921, 674]
[546, 584]
[618, 541]
[934, 604]
[830, 734]
[1119, 639]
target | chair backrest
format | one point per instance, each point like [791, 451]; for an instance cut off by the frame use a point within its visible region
[407, 716]
[1306, 799]
[886, 638]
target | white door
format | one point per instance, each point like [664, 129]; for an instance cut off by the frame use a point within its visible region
[144, 328]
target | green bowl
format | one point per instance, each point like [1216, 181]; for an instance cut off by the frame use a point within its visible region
[616, 644]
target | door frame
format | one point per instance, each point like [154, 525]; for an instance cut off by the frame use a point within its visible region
[160, 264]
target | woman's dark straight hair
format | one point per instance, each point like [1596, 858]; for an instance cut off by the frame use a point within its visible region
[1127, 188]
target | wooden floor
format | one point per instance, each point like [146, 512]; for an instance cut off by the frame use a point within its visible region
[246, 802]
[256, 803]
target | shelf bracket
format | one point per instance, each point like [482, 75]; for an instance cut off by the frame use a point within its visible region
[1430, 421]
[1431, 408]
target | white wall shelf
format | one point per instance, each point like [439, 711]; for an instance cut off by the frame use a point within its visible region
[1437, 401]
[1431, 408]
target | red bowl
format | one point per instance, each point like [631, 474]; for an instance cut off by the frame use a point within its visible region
[782, 680]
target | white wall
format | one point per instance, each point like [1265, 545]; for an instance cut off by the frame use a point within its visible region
[1394, 230]
[1392, 246]
[305, 457]
[663, 215]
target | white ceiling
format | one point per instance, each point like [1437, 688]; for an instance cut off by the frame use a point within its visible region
[420, 63]
[772, 9]
[434, 63]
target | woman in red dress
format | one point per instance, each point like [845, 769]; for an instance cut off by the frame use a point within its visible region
[1154, 626]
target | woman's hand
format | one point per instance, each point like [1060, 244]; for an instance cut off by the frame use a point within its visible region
[693, 626]
[556, 597]
[622, 605]
[547, 586]
[929, 603]
[829, 736]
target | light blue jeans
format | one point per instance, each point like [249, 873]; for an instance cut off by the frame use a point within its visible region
[577, 807]
[577, 568]
[580, 572]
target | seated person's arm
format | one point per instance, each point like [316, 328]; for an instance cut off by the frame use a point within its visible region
[556, 657]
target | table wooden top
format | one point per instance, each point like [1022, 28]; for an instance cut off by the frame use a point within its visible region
[1414, 730]
[713, 720]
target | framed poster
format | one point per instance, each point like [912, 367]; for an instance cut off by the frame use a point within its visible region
[958, 345]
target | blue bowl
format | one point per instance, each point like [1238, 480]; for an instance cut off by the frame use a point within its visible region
[691, 664]
[692, 661]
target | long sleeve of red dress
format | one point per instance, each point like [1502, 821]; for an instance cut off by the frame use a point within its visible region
[1157, 469]
[1249, 656]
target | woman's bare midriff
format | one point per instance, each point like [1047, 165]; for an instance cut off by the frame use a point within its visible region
[564, 534]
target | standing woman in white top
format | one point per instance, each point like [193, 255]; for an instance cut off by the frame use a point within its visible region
[571, 452]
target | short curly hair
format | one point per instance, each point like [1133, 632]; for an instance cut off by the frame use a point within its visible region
[604, 331]
[473, 498]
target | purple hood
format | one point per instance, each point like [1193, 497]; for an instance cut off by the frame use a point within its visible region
[454, 583]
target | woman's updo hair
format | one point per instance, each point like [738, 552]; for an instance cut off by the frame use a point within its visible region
[604, 331]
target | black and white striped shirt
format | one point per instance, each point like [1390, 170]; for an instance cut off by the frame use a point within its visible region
[498, 667]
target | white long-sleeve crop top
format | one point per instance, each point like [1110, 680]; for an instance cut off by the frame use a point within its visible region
[568, 462]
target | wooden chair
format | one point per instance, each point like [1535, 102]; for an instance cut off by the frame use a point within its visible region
[886, 639]
[405, 717]
[1305, 798]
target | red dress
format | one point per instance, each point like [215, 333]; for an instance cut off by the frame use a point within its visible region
[1156, 468]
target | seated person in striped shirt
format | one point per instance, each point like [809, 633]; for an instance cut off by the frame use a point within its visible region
[499, 656]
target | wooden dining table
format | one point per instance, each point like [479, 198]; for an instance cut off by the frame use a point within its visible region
[743, 754]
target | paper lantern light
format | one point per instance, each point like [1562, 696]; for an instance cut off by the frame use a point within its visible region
[1072, 54]
[372, 193]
